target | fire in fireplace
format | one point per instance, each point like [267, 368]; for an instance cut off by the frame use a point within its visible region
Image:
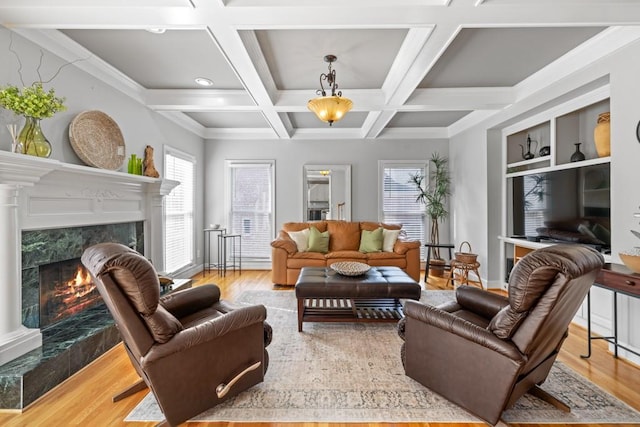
[66, 288]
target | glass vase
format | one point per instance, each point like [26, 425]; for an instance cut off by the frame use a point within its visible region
[33, 140]
[578, 155]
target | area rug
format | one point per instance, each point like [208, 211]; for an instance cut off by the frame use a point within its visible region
[351, 372]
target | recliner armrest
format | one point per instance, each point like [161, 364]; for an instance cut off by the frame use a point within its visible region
[187, 301]
[208, 330]
[480, 302]
[456, 325]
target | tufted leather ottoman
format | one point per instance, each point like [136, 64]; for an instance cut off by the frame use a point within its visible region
[326, 296]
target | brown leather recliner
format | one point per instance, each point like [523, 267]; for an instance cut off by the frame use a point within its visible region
[484, 351]
[190, 348]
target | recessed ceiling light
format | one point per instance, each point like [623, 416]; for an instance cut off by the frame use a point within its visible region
[203, 81]
[156, 30]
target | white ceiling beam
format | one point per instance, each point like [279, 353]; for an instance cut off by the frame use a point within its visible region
[233, 49]
[414, 133]
[32, 14]
[296, 100]
[326, 133]
[425, 58]
[199, 100]
[185, 122]
[459, 99]
[244, 134]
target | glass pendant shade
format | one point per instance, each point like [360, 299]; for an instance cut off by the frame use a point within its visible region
[330, 108]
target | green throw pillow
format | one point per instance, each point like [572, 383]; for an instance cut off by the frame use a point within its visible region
[318, 242]
[371, 241]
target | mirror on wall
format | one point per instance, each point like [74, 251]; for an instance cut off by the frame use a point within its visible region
[326, 192]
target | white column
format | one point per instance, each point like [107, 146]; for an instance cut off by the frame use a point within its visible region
[154, 231]
[15, 339]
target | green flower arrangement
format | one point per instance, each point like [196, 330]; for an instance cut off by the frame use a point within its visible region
[31, 101]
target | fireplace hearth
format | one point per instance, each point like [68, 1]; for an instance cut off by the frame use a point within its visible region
[66, 289]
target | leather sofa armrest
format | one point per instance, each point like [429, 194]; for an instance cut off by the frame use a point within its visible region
[481, 302]
[401, 247]
[456, 325]
[283, 241]
[207, 331]
[187, 301]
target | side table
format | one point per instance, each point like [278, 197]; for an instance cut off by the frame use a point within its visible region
[618, 279]
[430, 247]
[177, 285]
[206, 260]
[233, 243]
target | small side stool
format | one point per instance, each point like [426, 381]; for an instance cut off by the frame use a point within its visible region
[463, 269]
[233, 243]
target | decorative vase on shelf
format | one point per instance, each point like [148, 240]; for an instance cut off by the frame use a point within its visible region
[602, 135]
[33, 140]
[578, 155]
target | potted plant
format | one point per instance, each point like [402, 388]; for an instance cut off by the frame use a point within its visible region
[433, 195]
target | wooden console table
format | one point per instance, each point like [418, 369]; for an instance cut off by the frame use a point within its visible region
[618, 279]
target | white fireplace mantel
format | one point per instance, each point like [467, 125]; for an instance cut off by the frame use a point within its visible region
[40, 193]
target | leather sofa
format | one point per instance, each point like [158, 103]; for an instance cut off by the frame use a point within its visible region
[344, 244]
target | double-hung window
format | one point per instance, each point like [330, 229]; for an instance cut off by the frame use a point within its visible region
[249, 205]
[397, 197]
[179, 209]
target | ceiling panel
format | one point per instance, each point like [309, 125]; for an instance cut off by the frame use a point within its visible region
[171, 60]
[497, 57]
[296, 57]
[411, 119]
[235, 119]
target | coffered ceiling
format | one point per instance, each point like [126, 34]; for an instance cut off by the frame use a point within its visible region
[413, 68]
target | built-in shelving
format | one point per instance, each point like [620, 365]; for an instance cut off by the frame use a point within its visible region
[557, 129]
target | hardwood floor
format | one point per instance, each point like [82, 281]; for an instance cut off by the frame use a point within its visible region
[85, 398]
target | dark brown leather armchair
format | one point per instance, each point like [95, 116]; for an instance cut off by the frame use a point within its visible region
[190, 348]
[484, 351]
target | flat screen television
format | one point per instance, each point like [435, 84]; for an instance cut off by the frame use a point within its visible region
[570, 205]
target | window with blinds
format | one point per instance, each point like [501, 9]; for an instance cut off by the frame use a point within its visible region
[179, 209]
[250, 206]
[397, 199]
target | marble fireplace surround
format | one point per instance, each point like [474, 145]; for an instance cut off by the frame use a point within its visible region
[37, 194]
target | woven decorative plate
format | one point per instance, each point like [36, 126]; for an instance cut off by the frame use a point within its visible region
[348, 268]
[97, 140]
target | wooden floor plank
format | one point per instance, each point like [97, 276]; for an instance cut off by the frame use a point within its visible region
[85, 398]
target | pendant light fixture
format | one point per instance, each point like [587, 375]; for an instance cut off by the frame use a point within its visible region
[329, 108]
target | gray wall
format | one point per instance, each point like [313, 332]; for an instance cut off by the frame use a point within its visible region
[139, 125]
[290, 156]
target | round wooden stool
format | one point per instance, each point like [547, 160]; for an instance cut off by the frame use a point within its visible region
[463, 269]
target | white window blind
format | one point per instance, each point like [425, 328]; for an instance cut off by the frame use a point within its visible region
[250, 206]
[398, 203]
[179, 208]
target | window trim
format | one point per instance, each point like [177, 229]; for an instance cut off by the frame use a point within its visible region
[382, 164]
[228, 166]
[168, 150]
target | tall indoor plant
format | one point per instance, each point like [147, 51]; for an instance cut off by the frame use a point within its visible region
[433, 194]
